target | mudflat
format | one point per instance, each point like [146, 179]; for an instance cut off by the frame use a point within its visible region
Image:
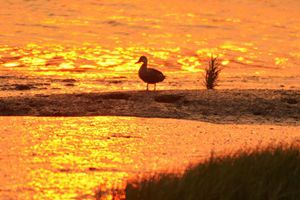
[218, 106]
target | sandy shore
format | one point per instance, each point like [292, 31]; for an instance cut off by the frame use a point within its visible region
[218, 106]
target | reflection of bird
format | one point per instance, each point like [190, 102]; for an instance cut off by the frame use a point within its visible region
[149, 75]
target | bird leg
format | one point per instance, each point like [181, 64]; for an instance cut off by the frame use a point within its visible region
[154, 86]
[147, 87]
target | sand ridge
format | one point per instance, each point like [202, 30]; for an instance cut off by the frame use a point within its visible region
[217, 106]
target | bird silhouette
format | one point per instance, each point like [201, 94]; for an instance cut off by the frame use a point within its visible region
[149, 75]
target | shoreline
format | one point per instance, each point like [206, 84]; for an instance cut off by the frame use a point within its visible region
[232, 106]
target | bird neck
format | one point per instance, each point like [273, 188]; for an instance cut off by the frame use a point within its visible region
[144, 65]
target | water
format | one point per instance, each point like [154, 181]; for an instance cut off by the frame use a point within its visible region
[65, 46]
[70, 158]
[96, 43]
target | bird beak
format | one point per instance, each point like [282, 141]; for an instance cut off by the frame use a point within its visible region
[137, 62]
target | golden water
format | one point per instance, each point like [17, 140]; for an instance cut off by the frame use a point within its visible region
[70, 158]
[97, 42]
[63, 46]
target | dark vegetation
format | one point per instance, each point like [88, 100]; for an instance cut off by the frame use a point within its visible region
[212, 73]
[269, 174]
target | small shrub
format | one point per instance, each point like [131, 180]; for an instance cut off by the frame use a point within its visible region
[212, 73]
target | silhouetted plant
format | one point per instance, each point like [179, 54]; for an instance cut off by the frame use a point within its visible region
[271, 173]
[113, 194]
[263, 173]
[212, 73]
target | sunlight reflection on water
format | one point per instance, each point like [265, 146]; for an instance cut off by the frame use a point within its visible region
[48, 68]
[67, 158]
[101, 40]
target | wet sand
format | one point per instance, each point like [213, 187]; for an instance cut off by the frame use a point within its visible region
[70, 157]
[280, 107]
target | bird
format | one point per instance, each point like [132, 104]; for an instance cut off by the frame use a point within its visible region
[149, 75]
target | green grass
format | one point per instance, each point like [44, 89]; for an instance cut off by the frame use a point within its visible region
[269, 174]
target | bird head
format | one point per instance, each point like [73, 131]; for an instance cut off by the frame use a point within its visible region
[142, 59]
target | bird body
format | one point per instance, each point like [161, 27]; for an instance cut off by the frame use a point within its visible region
[149, 75]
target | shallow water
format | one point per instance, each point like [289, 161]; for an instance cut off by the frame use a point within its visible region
[42, 43]
[69, 158]
[65, 46]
